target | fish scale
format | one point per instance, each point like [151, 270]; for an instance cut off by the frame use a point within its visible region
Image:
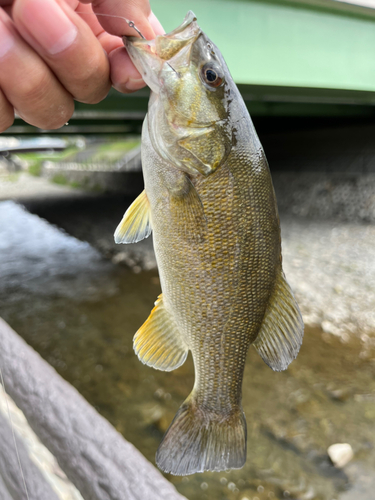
[210, 203]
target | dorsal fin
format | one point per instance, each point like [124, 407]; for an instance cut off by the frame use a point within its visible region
[136, 223]
[158, 343]
[281, 333]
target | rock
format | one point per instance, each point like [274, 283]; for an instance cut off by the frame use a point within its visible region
[92, 454]
[340, 454]
[341, 395]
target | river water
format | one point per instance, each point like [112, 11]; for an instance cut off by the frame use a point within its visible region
[80, 312]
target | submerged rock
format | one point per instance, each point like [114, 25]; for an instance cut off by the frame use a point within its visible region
[340, 454]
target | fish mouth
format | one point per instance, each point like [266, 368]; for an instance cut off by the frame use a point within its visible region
[150, 56]
[186, 23]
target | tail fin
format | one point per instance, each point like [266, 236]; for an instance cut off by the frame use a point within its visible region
[198, 440]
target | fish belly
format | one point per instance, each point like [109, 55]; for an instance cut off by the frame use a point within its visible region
[218, 253]
[218, 265]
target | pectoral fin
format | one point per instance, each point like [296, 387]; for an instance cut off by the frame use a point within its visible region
[281, 333]
[158, 342]
[193, 222]
[136, 223]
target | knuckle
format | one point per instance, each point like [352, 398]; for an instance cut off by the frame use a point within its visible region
[43, 102]
[58, 116]
[33, 89]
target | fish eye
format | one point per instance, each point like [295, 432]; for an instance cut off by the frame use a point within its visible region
[212, 75]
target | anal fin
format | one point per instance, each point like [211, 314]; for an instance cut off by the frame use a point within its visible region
[281, 333]
[136, 223]
[158, 342]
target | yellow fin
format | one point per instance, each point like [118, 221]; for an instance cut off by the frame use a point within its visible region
[158, 342]
[281, 333]
[136, 223]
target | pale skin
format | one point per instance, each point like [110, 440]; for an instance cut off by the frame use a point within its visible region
[51, 55]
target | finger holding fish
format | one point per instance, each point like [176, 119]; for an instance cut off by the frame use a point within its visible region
[114, 17]
[67, 45]
[124, 75]
[52, 54]
[28, 84]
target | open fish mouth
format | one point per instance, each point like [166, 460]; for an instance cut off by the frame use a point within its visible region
[168, 45]
[151, 56]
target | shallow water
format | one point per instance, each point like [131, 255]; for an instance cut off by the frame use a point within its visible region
[80, 313]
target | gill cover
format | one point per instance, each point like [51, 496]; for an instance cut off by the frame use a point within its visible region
[188, 117]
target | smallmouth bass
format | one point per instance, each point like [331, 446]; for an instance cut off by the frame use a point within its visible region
[210, 204]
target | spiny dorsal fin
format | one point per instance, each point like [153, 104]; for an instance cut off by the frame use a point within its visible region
[281, 333]
[158, 342]
[136, 223]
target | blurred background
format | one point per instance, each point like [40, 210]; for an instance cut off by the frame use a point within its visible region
[306, 70]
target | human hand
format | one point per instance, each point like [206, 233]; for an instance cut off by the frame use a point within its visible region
[51, 53]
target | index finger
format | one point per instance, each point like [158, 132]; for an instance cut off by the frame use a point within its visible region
[138, 11]
[124, 75]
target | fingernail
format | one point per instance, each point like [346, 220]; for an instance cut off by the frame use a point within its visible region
[155, 23]
[6, 40]
[134, 84]
[49, 25]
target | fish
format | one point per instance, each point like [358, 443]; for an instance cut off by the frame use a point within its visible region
[209, 203]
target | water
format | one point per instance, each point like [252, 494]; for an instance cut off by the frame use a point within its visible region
[80, 313]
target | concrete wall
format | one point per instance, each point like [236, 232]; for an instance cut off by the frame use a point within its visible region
[92, 454]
